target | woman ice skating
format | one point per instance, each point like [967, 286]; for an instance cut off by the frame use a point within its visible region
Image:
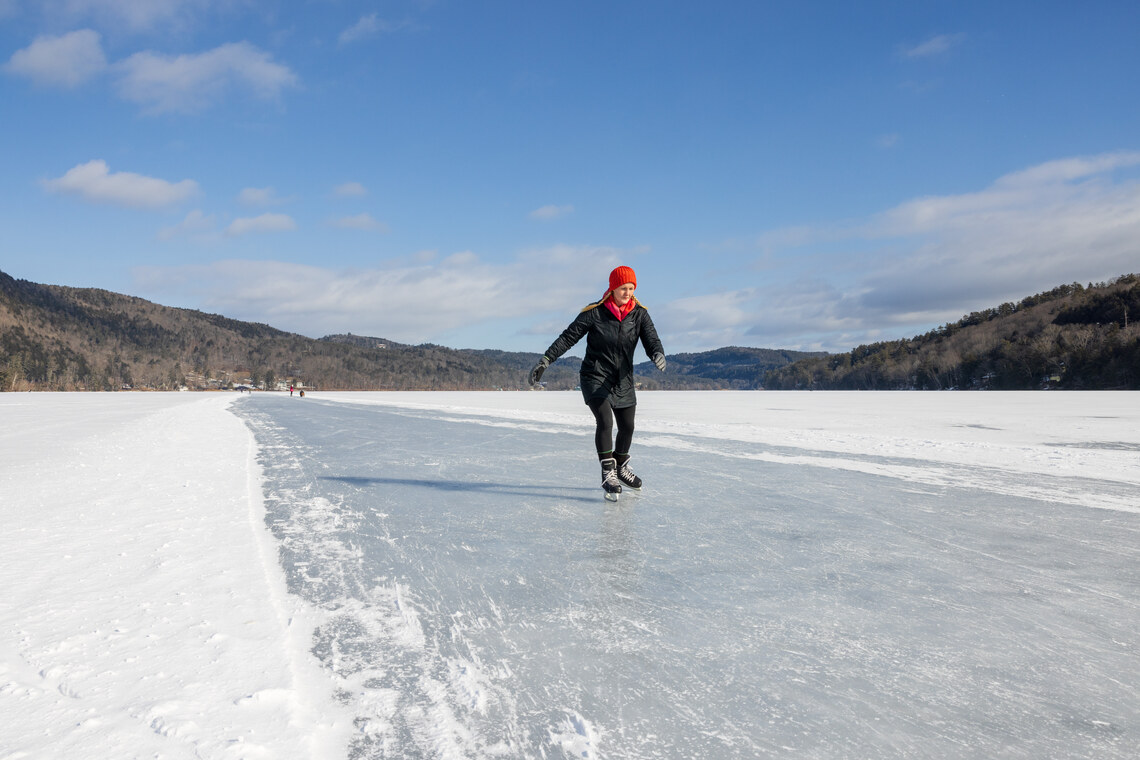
[612, 328]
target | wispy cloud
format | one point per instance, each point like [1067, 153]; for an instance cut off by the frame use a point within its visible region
[350, 190]
[933, 47]
[65, 61]
[370, 26]
[550, 213]
[260, 196]
[188, 83]
[134, 15]
[263, 223]
[94, 181]
[359, 222]
[196, 225]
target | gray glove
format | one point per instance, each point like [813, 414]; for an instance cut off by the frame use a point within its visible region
[536, 373]
[659, 360]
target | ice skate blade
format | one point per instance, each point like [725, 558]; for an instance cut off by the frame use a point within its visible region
[611, 496]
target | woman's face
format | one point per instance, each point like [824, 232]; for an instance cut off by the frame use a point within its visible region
[624, 293]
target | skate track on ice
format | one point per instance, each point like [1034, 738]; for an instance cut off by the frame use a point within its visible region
[478, 598]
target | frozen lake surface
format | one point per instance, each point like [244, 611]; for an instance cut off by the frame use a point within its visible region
[805, 575]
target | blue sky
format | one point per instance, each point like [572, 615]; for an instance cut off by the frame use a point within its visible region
[808, 175]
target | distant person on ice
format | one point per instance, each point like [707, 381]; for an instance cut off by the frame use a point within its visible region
[612, 327]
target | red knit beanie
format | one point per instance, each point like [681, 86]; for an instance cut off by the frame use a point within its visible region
[621, 276]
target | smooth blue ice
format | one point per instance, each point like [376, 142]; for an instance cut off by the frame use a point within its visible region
[481, 599]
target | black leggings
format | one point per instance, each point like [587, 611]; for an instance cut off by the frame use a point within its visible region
[603, 436]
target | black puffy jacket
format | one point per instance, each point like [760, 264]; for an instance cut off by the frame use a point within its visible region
[607, 370]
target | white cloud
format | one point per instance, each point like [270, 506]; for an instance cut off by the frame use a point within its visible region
[365, 27]
[389, 301]
[94, 182]
[350, 189]
[551, 212]
[1038, 191]
[188, 83]
[260, 196]
[65, 61]
[195, 225]
[161, 83]
[359, 222]
[716, 311]
[1057, 222]
[928, 261]
[1066, 169]
[263, 223]
[370, 26]
[135, 15]
[933, 47]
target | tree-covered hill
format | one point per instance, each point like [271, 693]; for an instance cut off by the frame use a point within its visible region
[1073, 336]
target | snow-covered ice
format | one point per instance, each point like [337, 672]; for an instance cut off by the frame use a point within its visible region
[143, 612]
[807, 575]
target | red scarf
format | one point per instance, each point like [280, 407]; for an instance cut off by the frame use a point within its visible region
[619, 311]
